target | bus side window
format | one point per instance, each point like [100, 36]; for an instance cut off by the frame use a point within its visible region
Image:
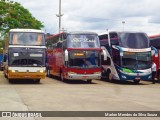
[105, 62]
[39, 39]
[14, 41]
[64, 36]
[59, 44]
[64, 44]
[108, 61]
[116, 57]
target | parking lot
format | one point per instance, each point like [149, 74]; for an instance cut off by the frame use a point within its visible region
[54, 95]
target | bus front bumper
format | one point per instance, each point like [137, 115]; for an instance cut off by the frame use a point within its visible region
[83, 76]
[21, 75]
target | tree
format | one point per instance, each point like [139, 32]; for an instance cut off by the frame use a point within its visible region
[1, 46]
[13, 15]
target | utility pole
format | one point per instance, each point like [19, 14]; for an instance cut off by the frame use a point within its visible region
[59, 15]
[123, 22]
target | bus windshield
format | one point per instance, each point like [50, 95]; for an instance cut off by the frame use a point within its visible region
[136, 61]
[26, 57]
[133, 40]
[83, 41]
[84, 59]
[25, 38]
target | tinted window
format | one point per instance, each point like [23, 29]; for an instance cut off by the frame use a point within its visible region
[134, 40]
[26, 57]
[155, 42]
[24, 38]
[83, 41]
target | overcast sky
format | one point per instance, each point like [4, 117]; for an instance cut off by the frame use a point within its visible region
[97, 15]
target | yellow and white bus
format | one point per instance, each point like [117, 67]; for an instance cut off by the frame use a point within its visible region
[25, 55]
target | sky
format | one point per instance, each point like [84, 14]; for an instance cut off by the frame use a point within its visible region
[97, 15]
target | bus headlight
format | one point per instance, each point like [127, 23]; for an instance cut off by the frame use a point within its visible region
[97, 72]
[72, 73]
[13, 71]
[41, 71]
[149, 77]
[124, 77]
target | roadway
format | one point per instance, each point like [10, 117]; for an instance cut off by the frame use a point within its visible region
[54, 95]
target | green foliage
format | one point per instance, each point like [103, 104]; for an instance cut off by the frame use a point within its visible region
[1, 46]
[13, 15]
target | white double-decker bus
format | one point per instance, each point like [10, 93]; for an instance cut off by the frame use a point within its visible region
[25, 55]
[129, 56]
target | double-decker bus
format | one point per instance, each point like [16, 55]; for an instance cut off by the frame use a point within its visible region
[155, 42]
[26, 56]
[74, 55]
[129, 56]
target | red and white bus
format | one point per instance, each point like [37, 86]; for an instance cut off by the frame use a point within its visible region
[155, 42]
[74, 55]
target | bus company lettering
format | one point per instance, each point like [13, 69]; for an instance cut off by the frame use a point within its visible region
[136, 50]
[82, 39]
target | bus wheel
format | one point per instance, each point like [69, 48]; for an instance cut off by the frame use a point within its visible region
[37, 80]
[109, 77]
[11, 80]
[136, 81]
[48, 73]
[158, 78]
[61, 77]
[89, 81]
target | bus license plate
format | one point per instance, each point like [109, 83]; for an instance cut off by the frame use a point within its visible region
[27, 76]
[85, 76]
[137, 78]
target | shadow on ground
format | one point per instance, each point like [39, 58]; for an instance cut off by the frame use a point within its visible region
[23, 81]
[72, 81]
[128, 82]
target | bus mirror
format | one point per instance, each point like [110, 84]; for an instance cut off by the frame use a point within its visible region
[105, 54]
[64, 44]
[121, 53]
[154, 51]
[66, 55]
[120, 50]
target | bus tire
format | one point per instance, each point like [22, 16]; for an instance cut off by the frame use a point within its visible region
[136, 81]
[109, 76]
[48, 73]
[61, 76]
[37, 80]
[89, 81]
[158, 76]
[103, 75]
[10, 80]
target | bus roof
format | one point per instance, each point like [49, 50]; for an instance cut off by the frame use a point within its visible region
[54, 35]
[154, 36]
[26, 30]
[75, 32]
[119, 32]
[81, 32]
